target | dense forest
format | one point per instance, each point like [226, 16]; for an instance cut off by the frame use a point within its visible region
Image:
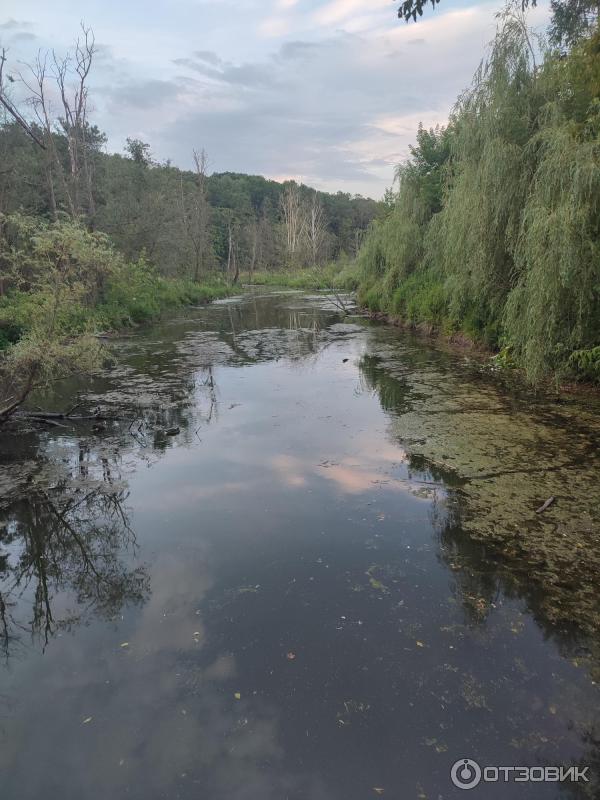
[494, 229]
[187, 223]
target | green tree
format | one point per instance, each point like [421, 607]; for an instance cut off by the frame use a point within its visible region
[53, 272]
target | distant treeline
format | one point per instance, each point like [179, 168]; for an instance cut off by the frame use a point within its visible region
[494, 229]
[187, 223]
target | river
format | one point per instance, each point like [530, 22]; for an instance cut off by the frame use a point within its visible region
[300, 559]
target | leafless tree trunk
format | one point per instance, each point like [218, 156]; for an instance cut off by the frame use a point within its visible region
[74, 121]
[36, 84]
[78, 179]
[195, 214]
[6, 102]
[229, 244]
[236, 268]
[253, 235]
[315, 228]
[292, 216]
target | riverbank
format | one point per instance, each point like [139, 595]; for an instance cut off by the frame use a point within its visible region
[129, 301]
[338, 276]
[499, 361]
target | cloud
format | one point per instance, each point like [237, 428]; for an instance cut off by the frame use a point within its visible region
[334, 12]
[339, 112]
[14, 24]
[275, 26]
[337, 10]
[208, 57]
[331, 90]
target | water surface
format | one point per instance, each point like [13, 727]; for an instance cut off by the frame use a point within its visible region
[331, 583]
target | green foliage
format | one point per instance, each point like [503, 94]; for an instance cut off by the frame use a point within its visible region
[495, 229]
[586, 364]
[393, 250]
[572, 20]
[346, 276]
[9, 332]
[340, 275]
[154, 210]
[504, 358]
[554, 305]
[51, 273]
[136, 293]
[420, 298]
[62, 283]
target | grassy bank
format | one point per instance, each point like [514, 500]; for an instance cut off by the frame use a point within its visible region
[340, 275]
[134, 299]
[78, 281]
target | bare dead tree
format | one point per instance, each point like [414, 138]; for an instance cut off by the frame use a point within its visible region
[34, 78]
[315, 228]
[77, 178]
[254, 236]
[291, 207]
[195, 213]
[8, 105]
[74, 122]
[229, 243]
[233, 267]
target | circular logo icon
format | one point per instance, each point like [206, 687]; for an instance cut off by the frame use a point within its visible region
[465, 773]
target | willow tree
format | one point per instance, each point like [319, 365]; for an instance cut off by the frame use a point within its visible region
[553, 310]
[511, 252]
[473, 239]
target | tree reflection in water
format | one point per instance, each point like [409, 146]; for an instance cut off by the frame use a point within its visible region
[72, 538]
[65, 536]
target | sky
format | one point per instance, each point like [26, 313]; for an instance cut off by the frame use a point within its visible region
[328, 92]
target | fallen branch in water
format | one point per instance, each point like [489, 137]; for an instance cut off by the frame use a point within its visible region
[48, 421]
[50, 417]
[545, 505]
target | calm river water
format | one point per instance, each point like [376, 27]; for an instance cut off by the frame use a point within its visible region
[330, 584]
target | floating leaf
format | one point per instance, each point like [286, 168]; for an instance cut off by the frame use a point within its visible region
[86, 720]
[238, 696]
[124, 644]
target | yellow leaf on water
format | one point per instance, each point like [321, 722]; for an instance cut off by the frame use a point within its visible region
[420, 644]
[125, 644]
[237, 696]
